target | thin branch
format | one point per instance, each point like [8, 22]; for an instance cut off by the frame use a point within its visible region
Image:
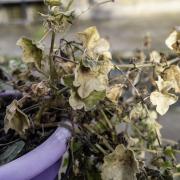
[101, 149]
[137, 92]
[145, 65]
[45, 35]
[95, 5]
[51, 64]
[107, 120]
[65, 59]
[104, 140]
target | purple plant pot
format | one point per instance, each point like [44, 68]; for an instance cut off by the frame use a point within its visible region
[42, 163]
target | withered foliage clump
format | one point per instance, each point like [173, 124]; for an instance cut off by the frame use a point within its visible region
[113, 107]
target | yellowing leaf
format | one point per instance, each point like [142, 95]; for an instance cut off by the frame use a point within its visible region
[173, 41]
[94, 45]
[53, 2]
[89, 37]
[75, 101]
[16, 119]
[31, 52]
[88, 81]
[121, 164]
[88, 103]
[114, 92]
[162, 101]
[92, 74]
[172, 74]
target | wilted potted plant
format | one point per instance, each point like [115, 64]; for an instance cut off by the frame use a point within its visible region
[108, 106]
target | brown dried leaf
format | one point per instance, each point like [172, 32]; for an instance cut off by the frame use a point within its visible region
[67, 67]
[40, 89]
[172, 74]
[114, 92]
[16, 119]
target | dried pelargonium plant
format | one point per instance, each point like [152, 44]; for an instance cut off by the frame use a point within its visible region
[114, 107]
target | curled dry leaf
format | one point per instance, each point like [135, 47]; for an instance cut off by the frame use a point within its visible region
[40, 89]
[88, 103]
[16, 119]
[173, 41]
[121, 164]
[63, 66]
[114, 92]
[155, 57]
[162, 101]
[172, 74]
[32, 52]
[68, 67]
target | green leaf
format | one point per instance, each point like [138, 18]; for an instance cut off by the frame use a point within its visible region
[93, 99]
[11, 152]
[169, 152]
[67, 80]
[88, 103]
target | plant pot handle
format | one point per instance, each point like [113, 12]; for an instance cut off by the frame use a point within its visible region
[35, 164]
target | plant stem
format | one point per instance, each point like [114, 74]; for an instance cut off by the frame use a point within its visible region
[51, 63]
[107, 120]
[104, 140]
[44, 36]
[144, 65]
[95, 5]
[61, 59]
[69, 4]
[113, 131]
[62, 90]
[101, 149]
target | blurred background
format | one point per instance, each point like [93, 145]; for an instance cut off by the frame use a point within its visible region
[125, 23]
